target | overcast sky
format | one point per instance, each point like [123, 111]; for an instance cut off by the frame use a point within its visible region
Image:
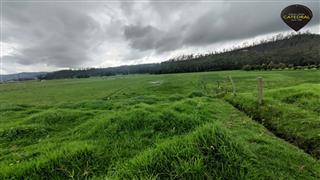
[51, 35]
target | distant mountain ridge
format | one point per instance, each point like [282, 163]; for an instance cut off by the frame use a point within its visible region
[22, 76]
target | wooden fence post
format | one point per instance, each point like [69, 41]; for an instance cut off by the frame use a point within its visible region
[260, 90]
[233, 86]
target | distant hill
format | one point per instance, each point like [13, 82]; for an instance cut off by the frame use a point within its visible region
[277, 52]
[22, 76]
[298, 50]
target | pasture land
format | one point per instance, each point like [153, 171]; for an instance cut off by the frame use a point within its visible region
[162, 126]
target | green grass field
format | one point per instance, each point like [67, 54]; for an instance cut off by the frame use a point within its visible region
[176, 126]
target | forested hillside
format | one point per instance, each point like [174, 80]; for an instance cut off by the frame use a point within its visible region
[279, 52]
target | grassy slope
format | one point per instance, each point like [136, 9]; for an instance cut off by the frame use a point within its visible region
[291, 113]
[122, 126]
[231, 146]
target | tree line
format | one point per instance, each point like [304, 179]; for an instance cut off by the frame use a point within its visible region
[279, 52]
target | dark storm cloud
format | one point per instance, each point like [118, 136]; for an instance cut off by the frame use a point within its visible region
[243, 20]
[208, 23]
[67, 34]
[141, 37]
